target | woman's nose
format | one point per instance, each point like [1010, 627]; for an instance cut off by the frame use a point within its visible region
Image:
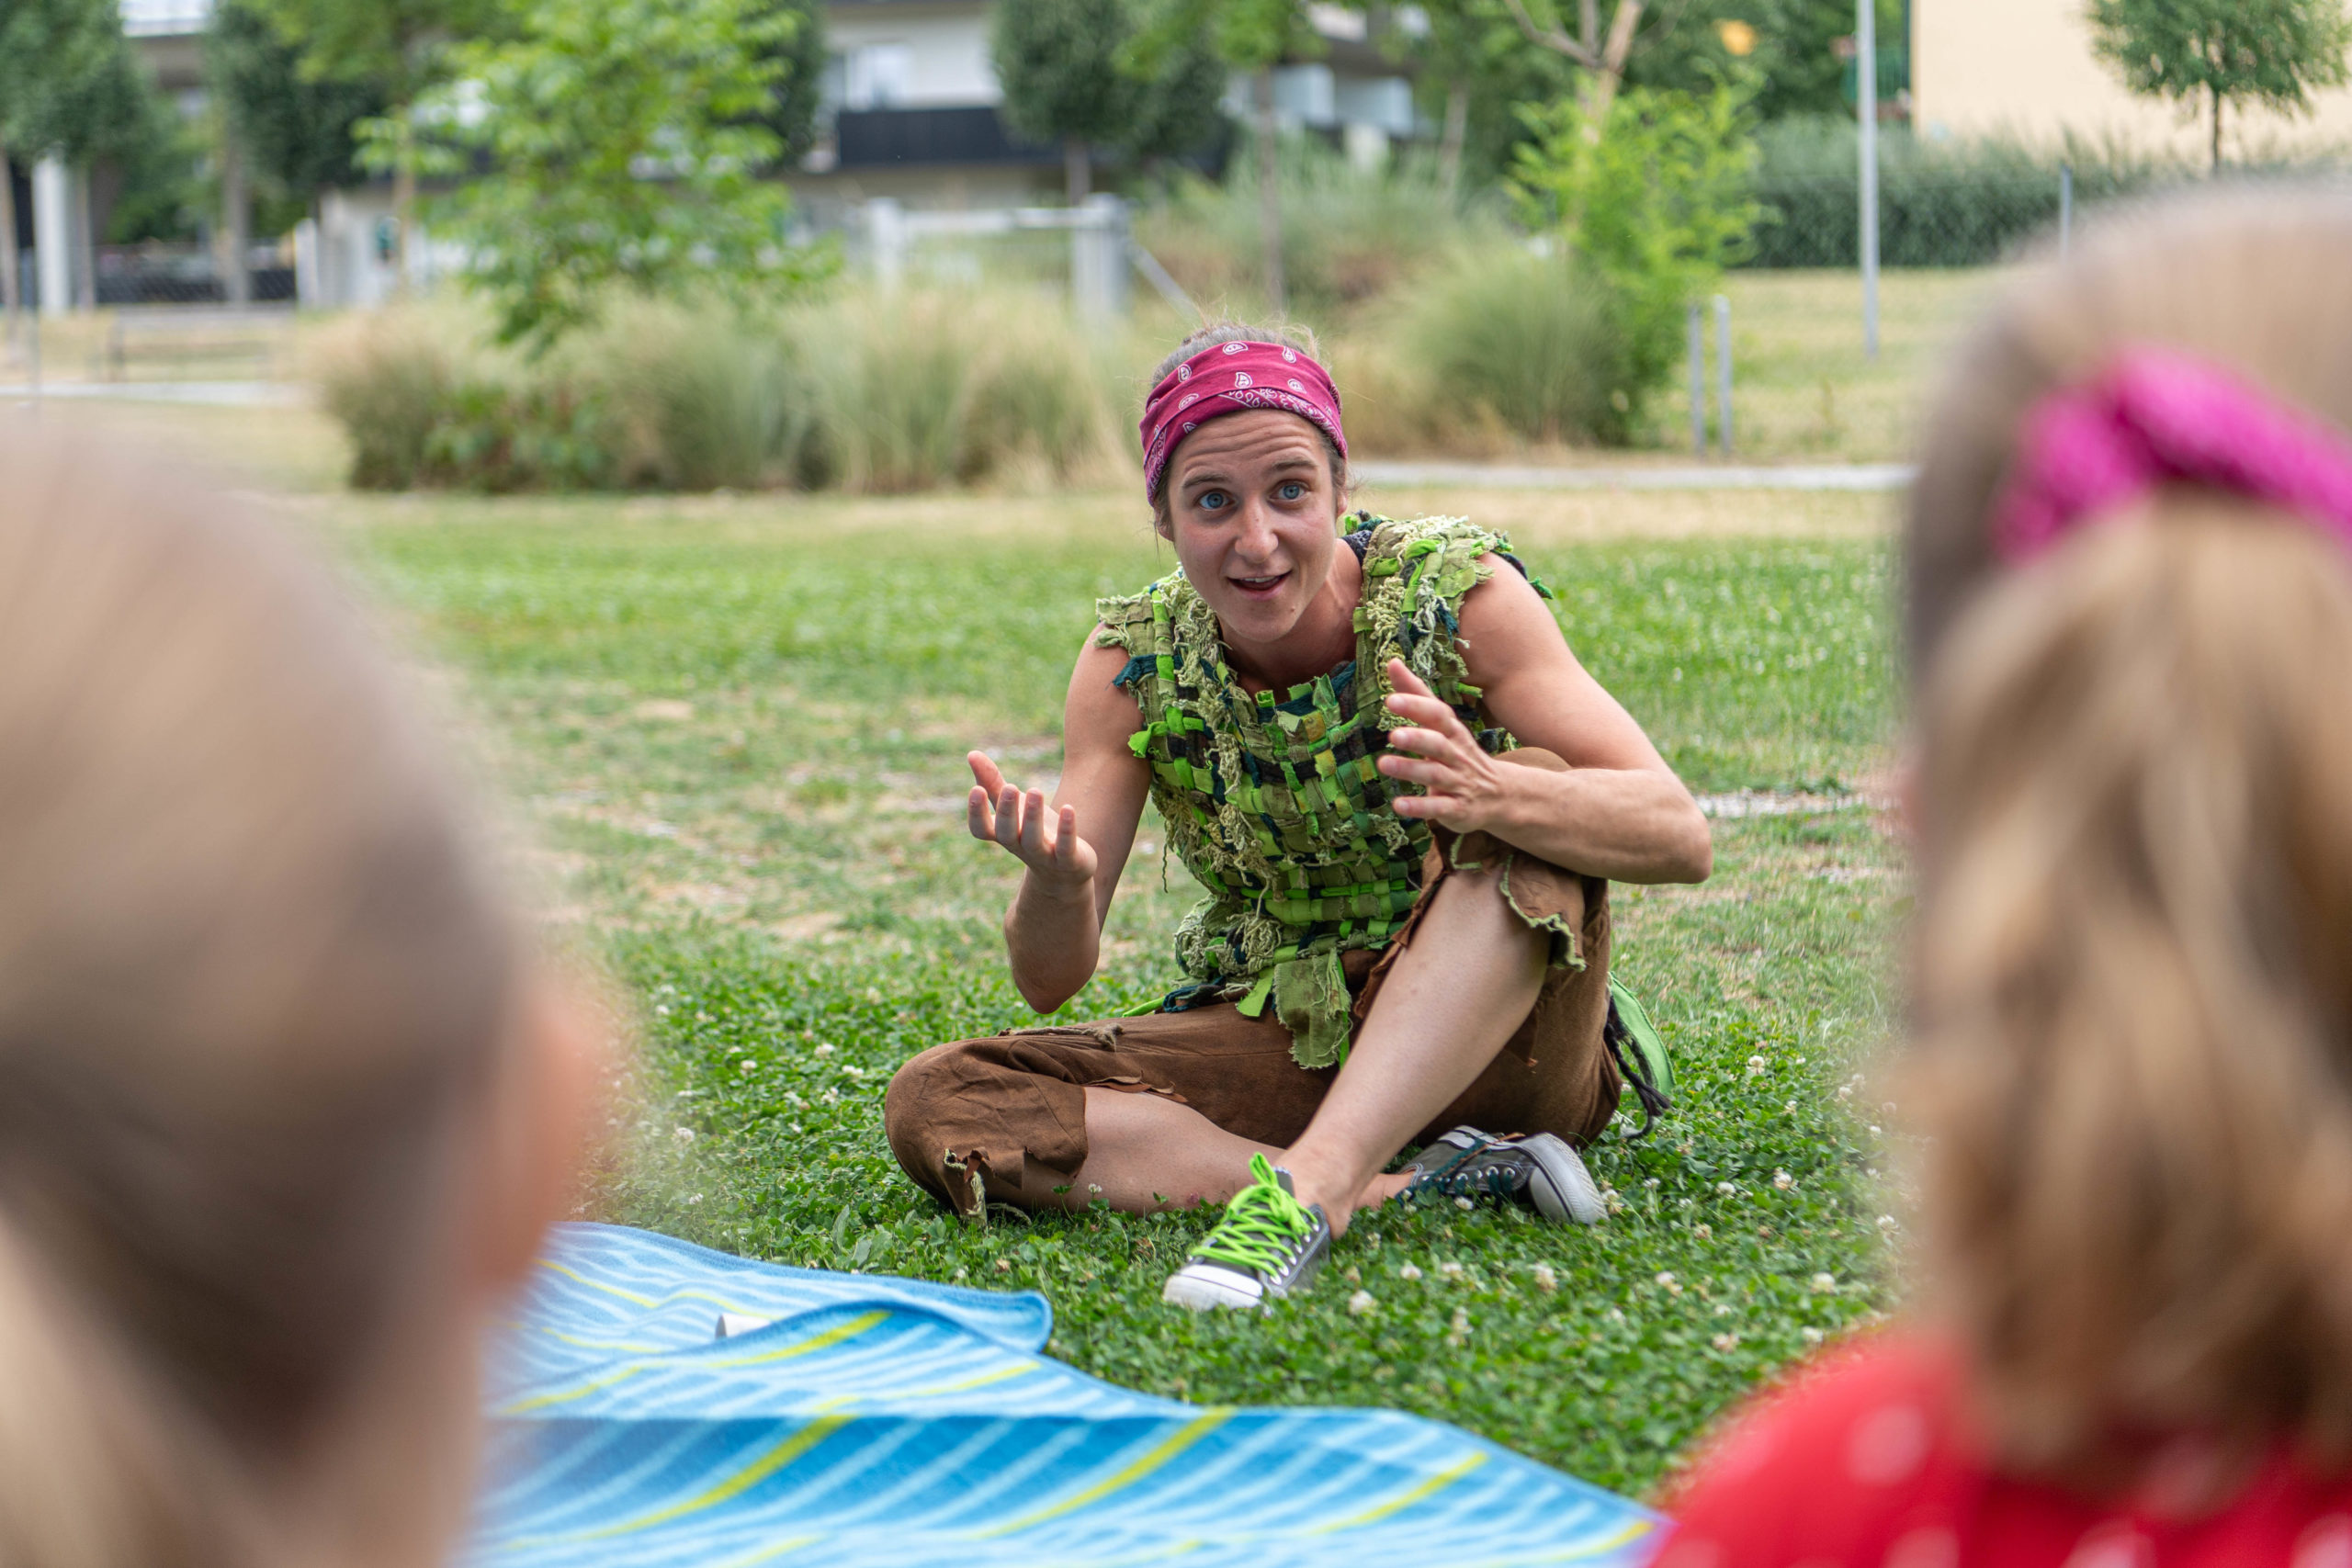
[1256, 537]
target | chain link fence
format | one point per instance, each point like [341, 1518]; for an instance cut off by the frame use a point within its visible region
[183, 275]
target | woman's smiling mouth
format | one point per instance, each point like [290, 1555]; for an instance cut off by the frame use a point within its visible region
[1260, 587]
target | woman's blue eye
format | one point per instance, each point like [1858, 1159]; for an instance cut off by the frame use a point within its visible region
[1292, 490]
[1212, 501]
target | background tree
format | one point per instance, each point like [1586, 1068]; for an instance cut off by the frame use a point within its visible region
[1062, 64]
[798, 51]
[70, 88]
[1252, 36]
[623, 143]
[2271, 53]
[392, 49]
[1059, 63]
[297, 133]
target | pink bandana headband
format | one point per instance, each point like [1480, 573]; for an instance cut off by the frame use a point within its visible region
[2156, 417]
[1234, 378]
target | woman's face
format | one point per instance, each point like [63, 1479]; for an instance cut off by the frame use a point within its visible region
[1253, 513]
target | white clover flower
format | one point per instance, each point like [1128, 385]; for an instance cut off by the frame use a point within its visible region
[1725, 1187]
[1360, 1304]
[1545, 1278]
[824, 1050]
[1874, 1130]
[1886, 1223]
[747, 1064]
[1668, 1283]
[1755, 1065]
[696, 1199]
[1782, 1180]
[1846, 1091]
[1461, 1320]
[1461, 1202]
[1825, 1284]
[685, 1134]
[1812, 1335]
[1651, 1184]
[1408, 1272]
[1726, 1341]
[1703, 1232]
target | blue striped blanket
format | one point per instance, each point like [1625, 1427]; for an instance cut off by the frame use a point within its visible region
[850, 1418]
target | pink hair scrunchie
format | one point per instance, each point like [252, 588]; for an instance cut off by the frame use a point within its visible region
[2154, 417]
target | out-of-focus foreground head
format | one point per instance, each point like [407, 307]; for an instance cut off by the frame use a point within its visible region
[264, 1041]
[2133, 956]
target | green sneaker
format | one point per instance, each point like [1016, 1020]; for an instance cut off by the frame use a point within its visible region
[1539, 1173]
[1269, 1244]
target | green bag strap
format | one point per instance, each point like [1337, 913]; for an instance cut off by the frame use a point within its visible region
[1640, 1052]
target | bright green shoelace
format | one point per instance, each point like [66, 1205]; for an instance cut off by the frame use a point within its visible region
[1262, 1222]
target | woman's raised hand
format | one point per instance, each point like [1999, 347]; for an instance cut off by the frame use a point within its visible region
[1465, 787]
[1045, 840]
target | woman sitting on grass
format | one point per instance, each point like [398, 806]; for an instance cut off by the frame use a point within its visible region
[282, 1108]
[2131, 571]
[1406, 797]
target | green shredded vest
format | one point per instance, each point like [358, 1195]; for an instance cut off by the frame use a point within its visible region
[1273, 801]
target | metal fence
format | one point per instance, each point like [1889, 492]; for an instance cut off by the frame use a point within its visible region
[184, 275]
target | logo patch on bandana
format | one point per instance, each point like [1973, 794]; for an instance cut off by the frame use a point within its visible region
[1242, 379]
[1296, 387]
[1236, 348]
[1183, 372]
[1187, 401]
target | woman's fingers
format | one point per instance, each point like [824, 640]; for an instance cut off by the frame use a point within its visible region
[1066, 838]
[1034, 816]
[985, 772]
[980, 817]
[1008, 819]
[1403, 680]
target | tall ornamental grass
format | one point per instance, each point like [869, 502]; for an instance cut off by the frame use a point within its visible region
[857, 391]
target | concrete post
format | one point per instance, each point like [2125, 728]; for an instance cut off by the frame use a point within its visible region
[1698, 336]
[885, 237]
[1097, 259]
[54, 235]
[309, 284]
[1722, 373]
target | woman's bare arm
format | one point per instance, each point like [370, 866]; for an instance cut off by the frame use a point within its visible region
[1075, 849]
[1619, 813]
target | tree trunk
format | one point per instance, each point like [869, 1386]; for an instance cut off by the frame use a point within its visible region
[1603, 79]
[236, 226]
[403, 213]
[1270, 194]
[1456, 132]
[2216, 130]
[1077, 171]
[10, 303]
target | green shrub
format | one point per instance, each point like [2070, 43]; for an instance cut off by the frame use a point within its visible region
[1942, 203]
[1504, 338]
[1652, 207]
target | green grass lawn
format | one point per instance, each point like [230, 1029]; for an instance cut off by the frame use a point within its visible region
[738, 725]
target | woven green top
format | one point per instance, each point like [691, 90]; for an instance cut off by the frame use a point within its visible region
[1273, 802]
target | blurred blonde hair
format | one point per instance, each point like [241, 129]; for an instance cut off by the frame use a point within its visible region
[2133, 957]
[252, 981]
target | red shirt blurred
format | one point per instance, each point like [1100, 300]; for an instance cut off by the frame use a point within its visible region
[1866, 1461]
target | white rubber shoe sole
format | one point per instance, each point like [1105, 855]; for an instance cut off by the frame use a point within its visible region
[1562, 1188]
[1202, 1286]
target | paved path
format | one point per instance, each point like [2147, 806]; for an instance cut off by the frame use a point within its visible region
[212, 394]
[1687, 476]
